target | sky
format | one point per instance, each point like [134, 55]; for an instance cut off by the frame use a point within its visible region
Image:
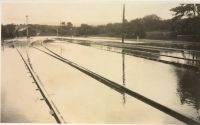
[93, 12]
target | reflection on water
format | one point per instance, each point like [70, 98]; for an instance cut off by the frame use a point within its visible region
[188, 89]
[183, 57]
[184, 54]
[123, 76]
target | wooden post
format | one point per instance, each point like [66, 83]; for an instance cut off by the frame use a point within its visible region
[123, 21]
[123, 57]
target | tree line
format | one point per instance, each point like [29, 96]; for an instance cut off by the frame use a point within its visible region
[185, 21]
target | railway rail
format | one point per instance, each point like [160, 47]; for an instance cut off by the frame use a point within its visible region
[53, 109]
[133, 45]
[161, 48]
[158, 53]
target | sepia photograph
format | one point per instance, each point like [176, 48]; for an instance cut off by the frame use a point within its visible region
[100, 62]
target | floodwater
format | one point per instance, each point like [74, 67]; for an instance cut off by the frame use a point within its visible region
[20, 102]
[179, 56]
[82, 99]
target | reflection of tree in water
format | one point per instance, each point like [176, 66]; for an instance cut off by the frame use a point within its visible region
[192, 55]
[189, 89]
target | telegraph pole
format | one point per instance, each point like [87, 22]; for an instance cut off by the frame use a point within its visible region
[123, 21]
[27, 26]
[123, 56]
[123, 35]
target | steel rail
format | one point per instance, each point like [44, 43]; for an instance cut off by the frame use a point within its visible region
[122, 89]
[154, 47]
[145, 51]
[157, 54]
[55, 113]
[136, 45]
[168, 48]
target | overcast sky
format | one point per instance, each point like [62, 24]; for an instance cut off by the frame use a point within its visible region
[92, 12]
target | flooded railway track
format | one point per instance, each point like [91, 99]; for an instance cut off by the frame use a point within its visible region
[155, 57]
[132, 45]
[119, 88]
[53, 109]
[160, 51]
[150, 54]
[162, 48]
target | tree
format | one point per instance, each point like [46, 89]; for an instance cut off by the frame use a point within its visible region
[152, 22]
[151, 17]
[8, 31]
[135, 28]
[85, 30]
[69, 28]
[69, 25]
[62, 23]
[191, 23]
[198, 9]
[186, 10]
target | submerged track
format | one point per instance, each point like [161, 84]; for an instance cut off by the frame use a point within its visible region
[53, 110]
[121, 89]
[147, 54]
